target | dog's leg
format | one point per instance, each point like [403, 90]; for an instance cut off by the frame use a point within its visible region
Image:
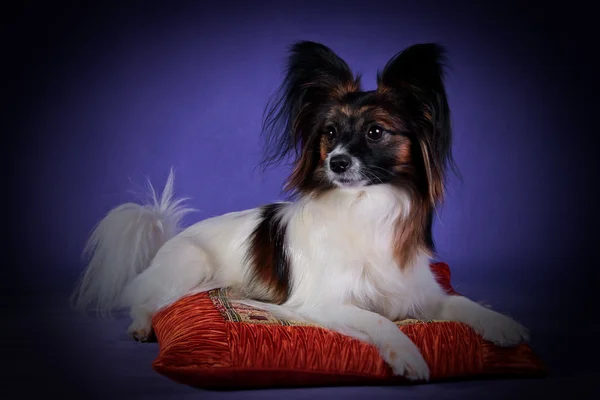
[394, 346]
[182, 268]
[141, 326]
[490, 324]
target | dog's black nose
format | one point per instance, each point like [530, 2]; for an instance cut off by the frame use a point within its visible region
[339, 163]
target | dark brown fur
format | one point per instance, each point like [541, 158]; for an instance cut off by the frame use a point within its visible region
[269, 278]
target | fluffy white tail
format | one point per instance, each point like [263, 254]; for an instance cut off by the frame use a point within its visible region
[123, 245]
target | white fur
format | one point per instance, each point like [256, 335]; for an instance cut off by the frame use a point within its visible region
[122, 245]
[343, 274]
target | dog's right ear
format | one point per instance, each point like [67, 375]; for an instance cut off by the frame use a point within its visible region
[314, 76]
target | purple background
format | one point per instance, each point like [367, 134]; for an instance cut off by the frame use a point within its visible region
[103, 97]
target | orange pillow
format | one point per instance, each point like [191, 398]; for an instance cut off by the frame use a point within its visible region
[206, 342]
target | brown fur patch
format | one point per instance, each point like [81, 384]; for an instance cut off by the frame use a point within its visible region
[385, 119]
[344, 109]
[409, 236]
[436, 181]
[324, 148]
[270, 267]
[427, 114]
[302, 169]
[347, 87]
[340, 111]
[382, 89]
[403, 154]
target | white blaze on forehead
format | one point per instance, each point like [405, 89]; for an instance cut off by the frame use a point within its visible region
[339, 149]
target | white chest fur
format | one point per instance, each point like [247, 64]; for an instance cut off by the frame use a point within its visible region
[340, 247]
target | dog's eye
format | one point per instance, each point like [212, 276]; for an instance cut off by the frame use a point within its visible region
[375, 132]
[330, 132]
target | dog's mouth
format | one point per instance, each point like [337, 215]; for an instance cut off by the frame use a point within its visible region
[344, 182]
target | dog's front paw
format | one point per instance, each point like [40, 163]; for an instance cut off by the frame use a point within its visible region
[405, 359]
[502, 330]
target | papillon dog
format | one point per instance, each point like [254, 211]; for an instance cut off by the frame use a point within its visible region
[351, 248]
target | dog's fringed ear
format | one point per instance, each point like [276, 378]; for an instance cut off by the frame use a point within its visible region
[314, 76]
[416, 75]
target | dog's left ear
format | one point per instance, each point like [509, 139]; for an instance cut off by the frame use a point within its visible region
[417, 76]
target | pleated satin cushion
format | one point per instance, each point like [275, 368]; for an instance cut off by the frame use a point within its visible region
[206, 341]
